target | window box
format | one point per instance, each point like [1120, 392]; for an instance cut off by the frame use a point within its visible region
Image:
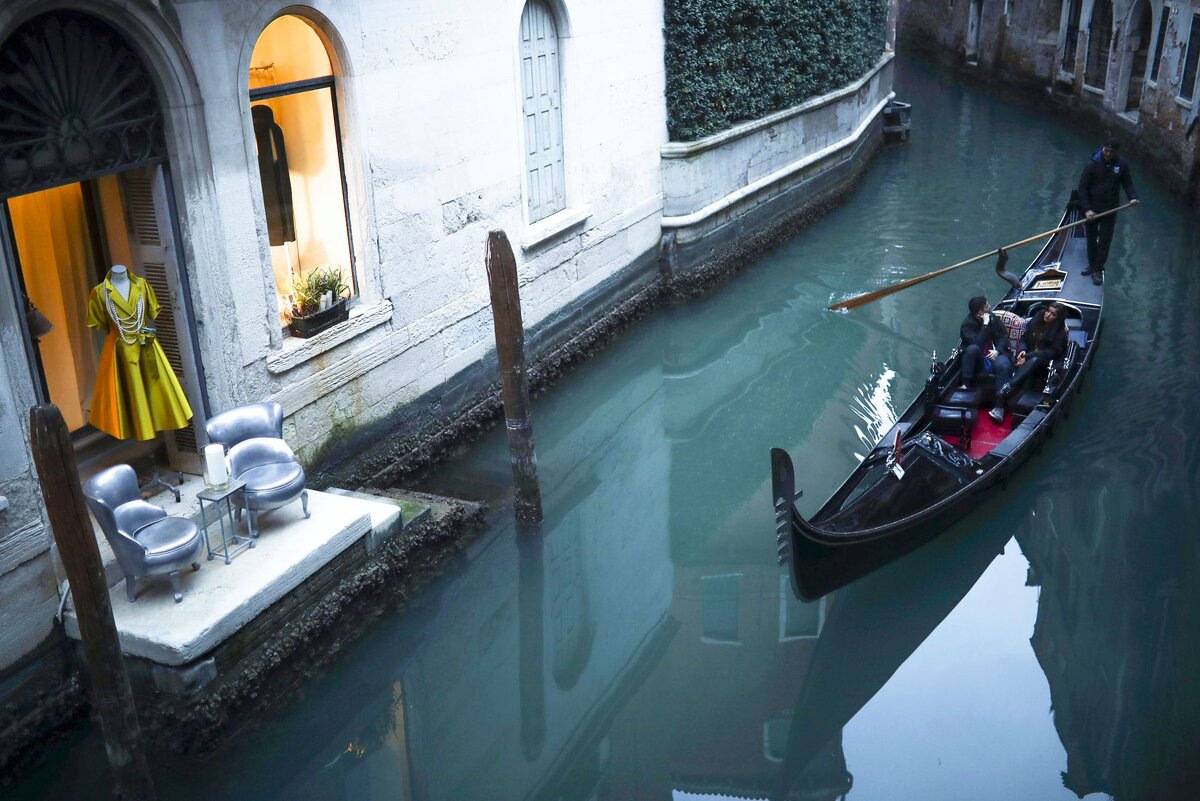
[312, 324]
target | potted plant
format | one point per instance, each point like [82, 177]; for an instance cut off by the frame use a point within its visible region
[322, 286]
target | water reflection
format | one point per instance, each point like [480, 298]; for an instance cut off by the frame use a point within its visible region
[1116, 638]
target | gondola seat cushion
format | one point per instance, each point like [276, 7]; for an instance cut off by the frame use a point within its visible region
[952, 419]
[1014, 324]
[1025, 402]
[970, 398]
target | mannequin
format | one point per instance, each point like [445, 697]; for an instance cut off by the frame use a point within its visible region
[137, 393]
[119, 277]
[276, 179]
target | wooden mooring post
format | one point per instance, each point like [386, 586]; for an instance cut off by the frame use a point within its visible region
[111, 695]
[514, 381]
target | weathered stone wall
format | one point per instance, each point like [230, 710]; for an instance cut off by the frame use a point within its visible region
[1028, 43]
[758, 170]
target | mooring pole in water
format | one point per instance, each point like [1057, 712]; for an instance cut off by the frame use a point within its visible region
[111, 695]
[514, 381]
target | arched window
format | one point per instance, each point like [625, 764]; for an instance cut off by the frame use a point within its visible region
[545, 181]
[296, 133]
[1100, 31]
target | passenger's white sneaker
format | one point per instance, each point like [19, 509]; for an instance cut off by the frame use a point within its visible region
[997, 414]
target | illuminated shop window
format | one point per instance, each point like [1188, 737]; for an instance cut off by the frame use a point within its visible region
[294, 110]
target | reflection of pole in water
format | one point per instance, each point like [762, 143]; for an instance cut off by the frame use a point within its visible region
[531, 594]
[514, 381]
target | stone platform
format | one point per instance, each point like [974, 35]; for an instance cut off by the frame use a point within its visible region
[219, 599]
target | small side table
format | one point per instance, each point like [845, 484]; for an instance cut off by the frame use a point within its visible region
[222, 499]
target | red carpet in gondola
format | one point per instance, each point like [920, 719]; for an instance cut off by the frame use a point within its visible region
[986, 435]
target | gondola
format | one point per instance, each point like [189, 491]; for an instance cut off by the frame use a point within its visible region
[932, 467]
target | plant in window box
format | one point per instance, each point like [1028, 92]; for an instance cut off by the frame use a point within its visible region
[321, 298]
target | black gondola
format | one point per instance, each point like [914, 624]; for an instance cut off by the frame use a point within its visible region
[932, 466]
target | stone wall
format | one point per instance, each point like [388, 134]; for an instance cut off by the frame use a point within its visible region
[1029, 44]
[760, 169]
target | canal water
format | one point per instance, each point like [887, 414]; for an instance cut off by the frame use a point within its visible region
[644, 644]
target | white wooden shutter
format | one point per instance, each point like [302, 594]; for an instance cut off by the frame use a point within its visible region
[542, 107]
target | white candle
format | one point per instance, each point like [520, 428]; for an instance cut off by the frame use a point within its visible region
[214, 461]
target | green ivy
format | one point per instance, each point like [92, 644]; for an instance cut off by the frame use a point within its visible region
[733, 60]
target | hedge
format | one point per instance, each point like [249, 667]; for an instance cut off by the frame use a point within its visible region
[734, 60]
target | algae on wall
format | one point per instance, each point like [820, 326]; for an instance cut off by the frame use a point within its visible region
[734, 60]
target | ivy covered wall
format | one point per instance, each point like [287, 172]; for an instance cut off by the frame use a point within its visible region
[733, 60]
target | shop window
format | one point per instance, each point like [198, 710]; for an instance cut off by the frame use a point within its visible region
[541, 104]
[1191, 61]
[293, 106]
[1159, 41]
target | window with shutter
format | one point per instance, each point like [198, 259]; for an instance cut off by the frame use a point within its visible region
[542, 110]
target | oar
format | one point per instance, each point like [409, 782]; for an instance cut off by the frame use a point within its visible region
[870, 297]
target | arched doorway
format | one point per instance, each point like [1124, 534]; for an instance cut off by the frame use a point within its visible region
[84, 185]
[1136, 56]
[1100, 30]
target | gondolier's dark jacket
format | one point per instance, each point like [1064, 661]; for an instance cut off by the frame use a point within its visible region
[1100, 185]
[1039, 339]
[974, 332]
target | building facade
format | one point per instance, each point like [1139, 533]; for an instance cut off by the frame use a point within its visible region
[1132, 64]
[407, 134]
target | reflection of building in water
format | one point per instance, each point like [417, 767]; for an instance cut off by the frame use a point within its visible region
[1115, 636]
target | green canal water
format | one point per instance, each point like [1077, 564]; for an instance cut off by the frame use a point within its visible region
[645, 646]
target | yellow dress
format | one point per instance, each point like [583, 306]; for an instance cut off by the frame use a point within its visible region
[137, 393]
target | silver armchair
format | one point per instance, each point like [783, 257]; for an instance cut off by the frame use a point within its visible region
[259, 456]
[146, 540]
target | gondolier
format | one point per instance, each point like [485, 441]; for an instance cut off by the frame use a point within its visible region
[1100, 190]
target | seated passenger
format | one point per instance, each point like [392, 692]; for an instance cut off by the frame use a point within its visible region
[984, 343]
[1045, 339]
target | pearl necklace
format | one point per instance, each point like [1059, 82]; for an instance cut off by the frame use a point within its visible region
[129, 328]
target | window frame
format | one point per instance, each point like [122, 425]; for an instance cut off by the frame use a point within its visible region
[557, 18]
[1160, 44]
[1193, 45]
[708, 637]
[329, 82]
[1071, 33]
[1112, 16]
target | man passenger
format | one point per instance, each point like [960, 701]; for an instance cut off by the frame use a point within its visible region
[985, 346]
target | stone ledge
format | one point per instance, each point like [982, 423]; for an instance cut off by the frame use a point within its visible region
[220, 599]
[296, 351]
[553, 225]
[700, 215]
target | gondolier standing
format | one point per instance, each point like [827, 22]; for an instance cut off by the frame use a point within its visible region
[1100, 190]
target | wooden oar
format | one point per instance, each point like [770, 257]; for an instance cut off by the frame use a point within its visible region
[863, 300]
